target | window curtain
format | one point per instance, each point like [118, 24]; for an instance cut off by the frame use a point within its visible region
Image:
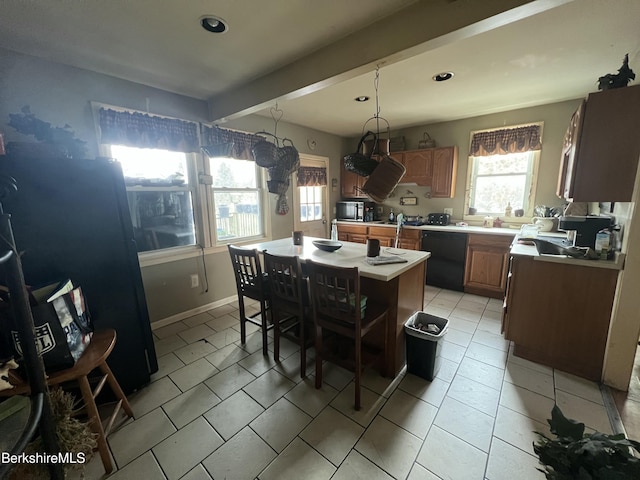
[140, 130]
[312, 176]
[507, 140]
[242, 142]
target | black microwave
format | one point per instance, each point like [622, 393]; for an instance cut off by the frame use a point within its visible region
[355, 211]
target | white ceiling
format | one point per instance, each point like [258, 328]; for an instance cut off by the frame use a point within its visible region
[314, 57]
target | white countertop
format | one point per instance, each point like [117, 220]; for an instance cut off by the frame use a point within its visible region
[532, 251]
[350, 255]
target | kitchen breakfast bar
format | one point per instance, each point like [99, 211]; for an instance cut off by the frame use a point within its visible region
[399, 285]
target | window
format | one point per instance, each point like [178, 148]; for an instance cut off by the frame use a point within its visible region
[236, 199]
[498, 180]
[310, 204]
[161, 195]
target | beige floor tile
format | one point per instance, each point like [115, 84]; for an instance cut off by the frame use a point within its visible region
[191, 404]
[194, 351]
[137, 437]
[447, 370]
[495, 304]
[190, 375]
[287, 348]
[471, 298]
[447, 294]
[357, 467]
[493, 314]
[257, 363]
[443, 302]
[506, 462]
[198, 319]
[463, 325]
[452, 351]
[458, 337]
[290, 366]
[196, 333]
[481, 372]
[526, 402]
[183, 450]
[224, 337]
[311, 400]
[223, 322]
[449, 457]
[371, 403]
[578, 386]
[375, 382]
[466, 314]
[526, 363]
[226, 356]
[418, 472]
[438, 311]
[279, 424]
[171, 329]
[229, 381]
[268, 388]
[390, 447]
[475, 395]
[517, 429]
[592, 414]
[332, 434]
[223, 310]
[533, 380]
[483, 353]
[297, 461]
[465, 422]
[168, 345]
[197, 473]
[241, 458]
[410, 413]
[167, 364]
[144, 466]
[491, 340]
[153, 396]
[253, 342]
[335, 376]
[490, 325]
[233, 414]
[431, 392]
[467, 303]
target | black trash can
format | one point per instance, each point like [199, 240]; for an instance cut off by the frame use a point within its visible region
[424, 334]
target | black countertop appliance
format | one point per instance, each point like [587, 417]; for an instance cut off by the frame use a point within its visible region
[585, 228]
[70, 218]
[438, 219]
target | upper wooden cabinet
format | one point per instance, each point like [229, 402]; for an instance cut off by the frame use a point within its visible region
[601, 148]
[445, 168]
[419, 165]
[351, 183]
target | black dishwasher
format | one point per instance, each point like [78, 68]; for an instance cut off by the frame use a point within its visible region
[445, 267]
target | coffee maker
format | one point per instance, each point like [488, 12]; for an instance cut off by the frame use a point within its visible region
[583, 229]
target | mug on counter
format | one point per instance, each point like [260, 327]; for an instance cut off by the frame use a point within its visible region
[298, 237]
[373, 247]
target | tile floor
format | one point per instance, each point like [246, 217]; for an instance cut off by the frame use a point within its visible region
[219, 410]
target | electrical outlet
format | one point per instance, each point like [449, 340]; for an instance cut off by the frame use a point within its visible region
[195, 280]
[449, 211]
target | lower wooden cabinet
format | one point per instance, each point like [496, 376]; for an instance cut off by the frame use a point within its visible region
[558, 314]
[486, 264]
[409, 238]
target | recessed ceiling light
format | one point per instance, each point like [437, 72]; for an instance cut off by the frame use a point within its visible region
[213, 24]
[361, 98]
[441, 77]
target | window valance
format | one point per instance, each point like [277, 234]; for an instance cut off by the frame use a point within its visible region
[312, 176]
[242, 142]
[140, 130]
[507, 140]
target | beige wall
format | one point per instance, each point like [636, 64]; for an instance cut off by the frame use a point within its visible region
[555, 117]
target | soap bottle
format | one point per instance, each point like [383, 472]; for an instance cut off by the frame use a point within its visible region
[392, 217]
[334, 230]
[507, 210]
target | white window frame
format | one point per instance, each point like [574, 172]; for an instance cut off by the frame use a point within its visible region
[532, 178]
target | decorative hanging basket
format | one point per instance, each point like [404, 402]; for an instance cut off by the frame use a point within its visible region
[279, 187]
[384, 179]
[379, 146]
[288, 157]
[427, 141]
[265, 153]
[359, 163]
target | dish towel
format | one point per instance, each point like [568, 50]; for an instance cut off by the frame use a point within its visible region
[380, 260]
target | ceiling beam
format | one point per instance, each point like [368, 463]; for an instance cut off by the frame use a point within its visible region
[423, 26]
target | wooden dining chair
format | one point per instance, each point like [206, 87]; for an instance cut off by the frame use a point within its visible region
[339, 307]
[251, 283]
[291, 308]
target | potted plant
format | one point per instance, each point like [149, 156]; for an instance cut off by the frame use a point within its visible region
[572, 454]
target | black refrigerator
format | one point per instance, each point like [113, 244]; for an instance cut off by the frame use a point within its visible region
[70, 219]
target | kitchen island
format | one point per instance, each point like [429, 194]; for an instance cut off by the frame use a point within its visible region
[399, 285]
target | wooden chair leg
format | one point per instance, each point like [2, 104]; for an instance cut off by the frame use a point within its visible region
[358, 368]
[263, 317]
[243, 322]
[96, 423]
[303, 349]
[276, 337]
[115, 388]
[318, 357]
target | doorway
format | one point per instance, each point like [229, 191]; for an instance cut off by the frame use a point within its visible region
[311, 202]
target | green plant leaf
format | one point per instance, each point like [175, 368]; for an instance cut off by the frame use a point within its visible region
[563, 426]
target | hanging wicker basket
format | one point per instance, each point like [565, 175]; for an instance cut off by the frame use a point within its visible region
[279, 187]
[265, 153]
[384, 179]
[427, 141]
[359, 163]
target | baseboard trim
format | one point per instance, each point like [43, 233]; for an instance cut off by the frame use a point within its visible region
[612, 411]
[190, 313]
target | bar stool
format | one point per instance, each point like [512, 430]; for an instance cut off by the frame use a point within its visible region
[95, 356]
[252, 283]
